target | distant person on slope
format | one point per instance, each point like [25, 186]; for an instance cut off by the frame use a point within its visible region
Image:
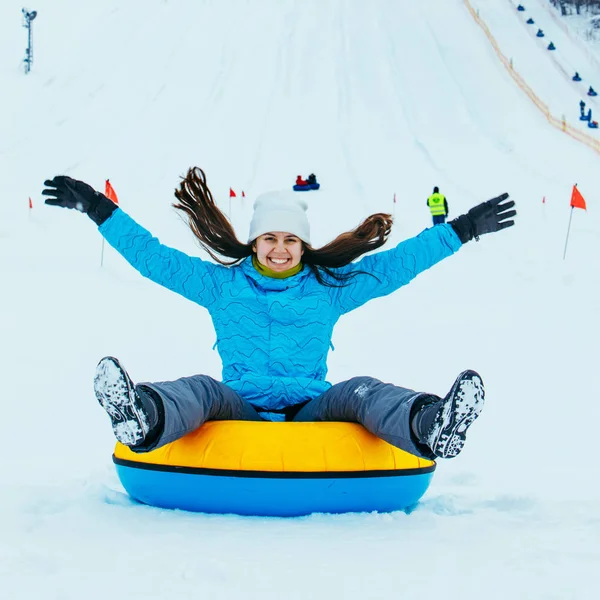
[274, 301]
[438, 205]
[300, 181]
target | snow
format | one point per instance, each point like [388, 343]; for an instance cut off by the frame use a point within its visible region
[377, 99]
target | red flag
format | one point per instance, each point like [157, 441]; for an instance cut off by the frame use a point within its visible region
[232, 193]
[243, 195]
[110, 193]
[30, 203]
[544, 200]
[577, 200]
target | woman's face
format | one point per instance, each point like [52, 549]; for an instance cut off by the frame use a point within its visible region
[278, 250]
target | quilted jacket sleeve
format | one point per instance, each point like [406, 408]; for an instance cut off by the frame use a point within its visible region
[193, 278]
[390, 270]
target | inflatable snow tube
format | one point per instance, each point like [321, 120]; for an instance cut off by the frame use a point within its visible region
[275, 469]
[307, 188]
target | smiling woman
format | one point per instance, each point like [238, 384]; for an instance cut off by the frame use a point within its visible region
[279, 251]
[274, 302]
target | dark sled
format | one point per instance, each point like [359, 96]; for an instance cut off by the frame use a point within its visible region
[307, 188]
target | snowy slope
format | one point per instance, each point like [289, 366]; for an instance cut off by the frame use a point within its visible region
[376, 98]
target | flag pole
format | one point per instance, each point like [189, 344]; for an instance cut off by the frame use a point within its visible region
[568, 230]
[102, 254]
[544, 208]
[577, 201]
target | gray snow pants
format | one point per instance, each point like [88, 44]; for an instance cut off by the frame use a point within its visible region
[382, 408]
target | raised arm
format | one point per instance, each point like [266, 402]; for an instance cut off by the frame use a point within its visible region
[191, 277]
[385, 272]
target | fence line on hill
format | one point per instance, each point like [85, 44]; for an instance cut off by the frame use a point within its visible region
[558, 123]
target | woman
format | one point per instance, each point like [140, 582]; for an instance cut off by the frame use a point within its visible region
[274, 302]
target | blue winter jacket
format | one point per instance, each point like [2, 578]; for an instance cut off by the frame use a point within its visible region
[273, 335]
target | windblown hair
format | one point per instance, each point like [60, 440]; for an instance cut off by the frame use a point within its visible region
[216, 235]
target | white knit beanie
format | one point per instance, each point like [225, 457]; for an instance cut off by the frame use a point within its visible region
[280, 211]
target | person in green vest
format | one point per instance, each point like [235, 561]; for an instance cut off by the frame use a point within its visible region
[438, 205]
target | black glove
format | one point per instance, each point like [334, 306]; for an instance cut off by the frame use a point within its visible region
[70, 193]
[487, 217]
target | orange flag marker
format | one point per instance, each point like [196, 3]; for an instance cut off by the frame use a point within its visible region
[577, 200]
[110, 193]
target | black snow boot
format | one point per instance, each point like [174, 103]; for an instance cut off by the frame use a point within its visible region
[442, 425]
[135, 413]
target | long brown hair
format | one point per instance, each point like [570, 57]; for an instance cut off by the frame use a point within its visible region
[216, 235]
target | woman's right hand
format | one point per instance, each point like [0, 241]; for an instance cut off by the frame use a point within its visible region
[70, 193]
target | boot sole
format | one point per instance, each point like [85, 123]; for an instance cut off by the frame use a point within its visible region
[114, 391]
[461, 407]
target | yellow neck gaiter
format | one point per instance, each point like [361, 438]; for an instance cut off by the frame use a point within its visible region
[274, 274]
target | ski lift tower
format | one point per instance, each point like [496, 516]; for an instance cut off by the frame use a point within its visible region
[28, 16]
